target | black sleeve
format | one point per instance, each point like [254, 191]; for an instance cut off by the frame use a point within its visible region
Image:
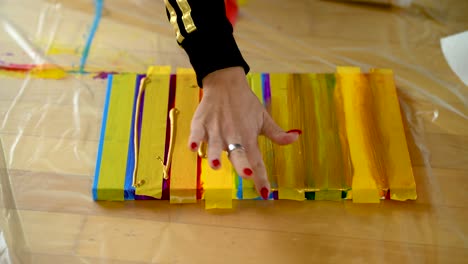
[204, 32]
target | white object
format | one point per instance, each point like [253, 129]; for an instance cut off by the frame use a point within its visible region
[455, 49]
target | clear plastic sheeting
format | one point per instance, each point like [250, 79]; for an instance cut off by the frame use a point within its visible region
[51, 102]
[12, 238]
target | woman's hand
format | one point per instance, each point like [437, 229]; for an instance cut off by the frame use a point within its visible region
[230, 113]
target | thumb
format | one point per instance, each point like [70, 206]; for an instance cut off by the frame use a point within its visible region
[276, 134]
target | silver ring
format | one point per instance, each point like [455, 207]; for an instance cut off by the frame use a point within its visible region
[232, 147]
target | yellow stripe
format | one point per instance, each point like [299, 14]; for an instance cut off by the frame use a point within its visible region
[287, 164]
[343, 137]
[141, 89]
[326, 155]
[173, 20]
[310, 134]
[186, 16]
[375, 143]
[115, 147]
[353, 86]
[218, 184]
[153, 132]
[330, 168]
[296, 171]
[398, 163]
[265, 144]
[184, 163]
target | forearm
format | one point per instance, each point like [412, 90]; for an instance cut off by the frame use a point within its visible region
[204, 32]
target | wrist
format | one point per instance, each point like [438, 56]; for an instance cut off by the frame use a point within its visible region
[208, 53]
[231, 79]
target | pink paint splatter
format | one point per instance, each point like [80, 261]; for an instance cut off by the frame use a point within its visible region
[17, 67]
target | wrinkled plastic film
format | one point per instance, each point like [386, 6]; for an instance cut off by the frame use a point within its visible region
[51, 119]
[12, 238]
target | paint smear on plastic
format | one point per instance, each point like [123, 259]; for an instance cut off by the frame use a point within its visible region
[57, 50]
[103, 75]
[37, 71]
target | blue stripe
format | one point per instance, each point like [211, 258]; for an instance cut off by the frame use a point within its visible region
[101, 139]
[240, 193]
[129, 190]
[262, 76]
[89, 41]
[262, 80]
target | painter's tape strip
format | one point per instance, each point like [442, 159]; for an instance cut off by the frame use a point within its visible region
[218, 184]
[183, 179]
[117, 132]
[153, 132]
[398, 163]
[352, 88]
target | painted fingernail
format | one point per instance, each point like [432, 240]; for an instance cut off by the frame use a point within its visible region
[194, 145]
[264, 193]
[248, 171]
[298, 131]
[216, 163]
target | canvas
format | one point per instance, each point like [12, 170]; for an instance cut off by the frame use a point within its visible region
[353, 144]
